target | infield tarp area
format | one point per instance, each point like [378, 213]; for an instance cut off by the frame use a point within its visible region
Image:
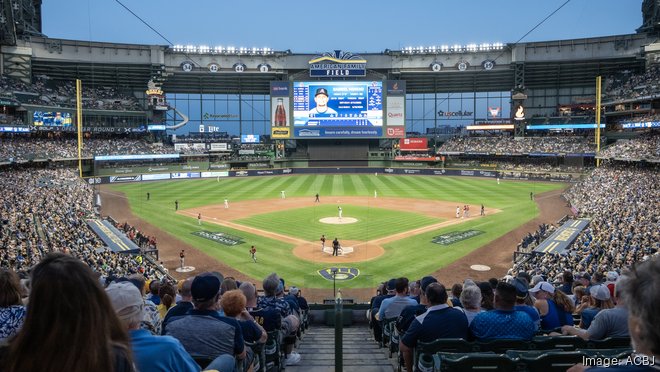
[113, 238]
[559, 241]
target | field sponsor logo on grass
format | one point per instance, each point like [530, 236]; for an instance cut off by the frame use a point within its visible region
[343, 273]
[220, 237]
[455, 236]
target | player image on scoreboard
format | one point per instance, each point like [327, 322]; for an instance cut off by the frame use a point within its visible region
[338, 104]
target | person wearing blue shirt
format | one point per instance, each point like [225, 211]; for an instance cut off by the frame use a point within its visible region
[151, 353]
[524, 301]
[503, 322]
[439, 321]
[392, 307]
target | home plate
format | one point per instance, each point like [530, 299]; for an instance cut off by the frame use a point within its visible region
[480, 268]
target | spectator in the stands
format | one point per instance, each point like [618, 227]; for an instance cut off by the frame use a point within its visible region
[269, 318]
[167, 295]
[204, 333]
[487, 295]
[183, 306]
[391, 307]
[439, 321]
[566, 283]
[152, 296]
[12, 311]
[409, 313]
[297, 294]
[641, 287]
[607, 323]
[70, 323]
[612, 277]
[152, 321]
[415, 290]
[272, 299]
[228, 284]
[599, 299]
[555, 308]
[233, 304]
[152, 353]
[389, 290]
[504, 322]
[470, 302]
[456, 290]
[524, 301]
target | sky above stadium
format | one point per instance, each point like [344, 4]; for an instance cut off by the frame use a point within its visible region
[356, 26]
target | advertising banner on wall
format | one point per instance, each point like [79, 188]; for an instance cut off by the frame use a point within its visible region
[395, 132]
[414, 144]
[280, 132]
[396, 111]
[279, 112]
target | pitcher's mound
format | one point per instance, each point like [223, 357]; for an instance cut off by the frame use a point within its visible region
[338, 221]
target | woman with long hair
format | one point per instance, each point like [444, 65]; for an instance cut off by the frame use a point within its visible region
[555, 308]
[167, 295]
[12, 311]
[70, 323]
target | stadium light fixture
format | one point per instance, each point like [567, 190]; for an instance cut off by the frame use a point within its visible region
[219, 49]
[455, 48]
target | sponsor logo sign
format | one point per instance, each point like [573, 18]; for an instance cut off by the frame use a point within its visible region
[114, 179]
[388, 170]
[220, 237]
[396, 87]
[338, 63]
[279, 88]
[414, 144]
[280, 132]
[214, 174]
[241, 173]
[396, 132]
[455, 236]
[396, 111]
[343, 273]
[287, 171]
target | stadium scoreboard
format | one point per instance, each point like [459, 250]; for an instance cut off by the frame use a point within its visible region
[337, 109]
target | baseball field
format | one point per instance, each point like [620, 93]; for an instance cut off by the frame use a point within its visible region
[391, 225]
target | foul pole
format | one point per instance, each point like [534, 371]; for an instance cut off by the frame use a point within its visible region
[597, 119]
[79, 122]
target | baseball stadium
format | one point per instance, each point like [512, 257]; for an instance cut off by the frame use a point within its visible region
[440, 208]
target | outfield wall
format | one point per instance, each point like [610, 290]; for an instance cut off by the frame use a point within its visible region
[505, 175]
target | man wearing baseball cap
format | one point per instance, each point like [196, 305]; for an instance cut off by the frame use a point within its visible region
[203, 331]
[152, 353]
[322, 109]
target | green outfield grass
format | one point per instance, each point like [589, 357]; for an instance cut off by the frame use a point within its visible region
[372, 222]
[413, 256]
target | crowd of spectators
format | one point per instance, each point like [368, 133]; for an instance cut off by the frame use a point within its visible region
[45, 92]
[646, 147]
[18, 148]
[626, 85]
[145, 242]
[510, 145]
[530, 241]
[45, 211]
[621, 201]
[515, 308]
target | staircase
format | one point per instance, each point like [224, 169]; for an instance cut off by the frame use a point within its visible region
[361, 352]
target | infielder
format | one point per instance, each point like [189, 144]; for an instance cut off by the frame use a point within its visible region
[226, 204]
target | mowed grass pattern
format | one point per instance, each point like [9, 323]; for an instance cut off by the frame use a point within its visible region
[413, 256]
[372, 222]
